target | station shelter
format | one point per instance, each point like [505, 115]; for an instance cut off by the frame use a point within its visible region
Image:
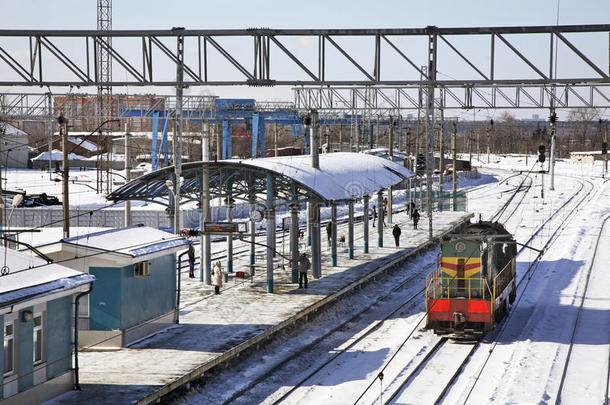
[36, 318]
[272, 185]
[136, 291]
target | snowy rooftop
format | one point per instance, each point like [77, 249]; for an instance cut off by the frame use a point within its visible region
[132, 241]
[341, 176]
[85, 144]
[10, 130]
[30, 277]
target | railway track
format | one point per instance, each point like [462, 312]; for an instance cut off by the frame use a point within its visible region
[583, 298]
[402, 386]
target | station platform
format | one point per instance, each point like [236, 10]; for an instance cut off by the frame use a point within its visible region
[215, 329]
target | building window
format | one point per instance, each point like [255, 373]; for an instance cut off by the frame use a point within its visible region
[141, 269]
[9, 348]
[38, 339]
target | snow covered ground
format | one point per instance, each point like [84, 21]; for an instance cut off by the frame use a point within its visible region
[522, 361]
[529, 350]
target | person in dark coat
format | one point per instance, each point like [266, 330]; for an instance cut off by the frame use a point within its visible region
[329, 232]
[411, 208]
[396, 232]
[304, 266]
[415, 217]
[374, 214]
[191, 255]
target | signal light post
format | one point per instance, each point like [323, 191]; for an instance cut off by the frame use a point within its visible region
[541, 159]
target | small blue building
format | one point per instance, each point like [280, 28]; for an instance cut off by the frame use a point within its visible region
[135, 290]
[36, 315]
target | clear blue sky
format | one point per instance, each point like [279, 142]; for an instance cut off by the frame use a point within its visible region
[191, 14]
[153, 14]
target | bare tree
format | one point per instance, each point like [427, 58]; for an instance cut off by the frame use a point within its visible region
[583, 120]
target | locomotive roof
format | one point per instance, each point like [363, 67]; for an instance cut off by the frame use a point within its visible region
[482, 228]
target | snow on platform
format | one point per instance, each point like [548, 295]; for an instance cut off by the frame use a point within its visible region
[213, 328]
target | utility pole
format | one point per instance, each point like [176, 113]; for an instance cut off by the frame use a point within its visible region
[430, 121]
[441, 157]
[552, 119]
[275, 136]
[205, 274]
[453, 163]
[178, 128]
[314, 208]
[127, 173]
[63, 130]
[390, 156]
[489, 130]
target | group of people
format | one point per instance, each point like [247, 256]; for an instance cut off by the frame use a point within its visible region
[304, 263]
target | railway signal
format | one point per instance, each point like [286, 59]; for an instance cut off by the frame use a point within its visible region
[604, 148]
[541, 153]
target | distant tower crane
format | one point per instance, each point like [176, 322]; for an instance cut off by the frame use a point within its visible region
[104, 72]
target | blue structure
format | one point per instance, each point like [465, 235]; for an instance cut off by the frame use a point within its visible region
[36, 315]
[136, 291]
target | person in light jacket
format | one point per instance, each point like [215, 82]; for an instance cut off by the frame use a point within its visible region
[304, 266]
[217, 281]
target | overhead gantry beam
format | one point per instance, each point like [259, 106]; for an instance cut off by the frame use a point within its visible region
[476, 57]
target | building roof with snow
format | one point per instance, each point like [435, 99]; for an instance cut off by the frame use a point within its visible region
[130, 244]
[30, 278]
[10, 130]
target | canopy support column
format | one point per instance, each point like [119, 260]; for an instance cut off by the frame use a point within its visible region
[316, 262]
[270, 216]
[252, 231]
[333, 236]
[294, 241]
[365, 223]
[229, 237]
[380, 219]
[205, 273]
[350, 229]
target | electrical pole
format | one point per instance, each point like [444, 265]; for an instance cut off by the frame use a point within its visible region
[453, 163]
[178, 129]
[390, 156]
[430, 121]
[63, 130]
[205, 274]
[127, 173]
[441, 157]
[552, 119]
[275, 137]
[491, 128]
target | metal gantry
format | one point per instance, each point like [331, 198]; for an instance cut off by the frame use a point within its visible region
[504, 56]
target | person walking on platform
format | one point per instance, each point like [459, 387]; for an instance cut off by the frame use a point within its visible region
[396, 232]
[411, 208]
[191, 255]
[217, 277]
[304, 266]
[329, 232]
[415, 217]
[374, 215]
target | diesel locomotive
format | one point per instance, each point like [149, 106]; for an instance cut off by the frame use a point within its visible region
[474, 282]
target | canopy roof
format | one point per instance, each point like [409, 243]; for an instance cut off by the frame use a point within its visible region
[342, 176]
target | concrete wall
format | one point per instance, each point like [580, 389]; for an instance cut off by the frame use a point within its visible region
[15, 152]
[114, 218]
[120, 300]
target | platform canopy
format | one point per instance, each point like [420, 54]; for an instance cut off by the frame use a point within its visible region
[341, 177]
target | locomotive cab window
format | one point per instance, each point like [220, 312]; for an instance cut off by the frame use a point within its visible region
[141, 269]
